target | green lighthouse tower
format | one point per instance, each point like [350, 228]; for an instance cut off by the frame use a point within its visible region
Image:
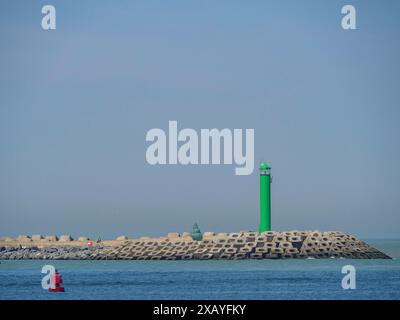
[265, 198]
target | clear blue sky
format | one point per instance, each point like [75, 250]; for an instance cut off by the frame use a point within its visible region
[76, 103]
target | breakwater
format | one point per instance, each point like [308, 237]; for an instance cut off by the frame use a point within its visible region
[234, 246]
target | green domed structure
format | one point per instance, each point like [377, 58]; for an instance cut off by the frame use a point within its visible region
[196, 233]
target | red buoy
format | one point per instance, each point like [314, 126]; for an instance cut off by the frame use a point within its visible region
[56, 283]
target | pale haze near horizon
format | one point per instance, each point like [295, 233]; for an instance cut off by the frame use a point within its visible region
[77, 102]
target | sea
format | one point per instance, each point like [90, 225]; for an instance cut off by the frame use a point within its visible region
[209, 279]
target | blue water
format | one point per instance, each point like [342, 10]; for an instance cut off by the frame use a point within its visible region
[213, 279]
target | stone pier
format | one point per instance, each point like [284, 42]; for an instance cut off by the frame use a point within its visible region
[224, 246]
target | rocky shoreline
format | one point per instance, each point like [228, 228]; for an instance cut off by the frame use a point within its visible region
[49, 253]
[227, 246]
